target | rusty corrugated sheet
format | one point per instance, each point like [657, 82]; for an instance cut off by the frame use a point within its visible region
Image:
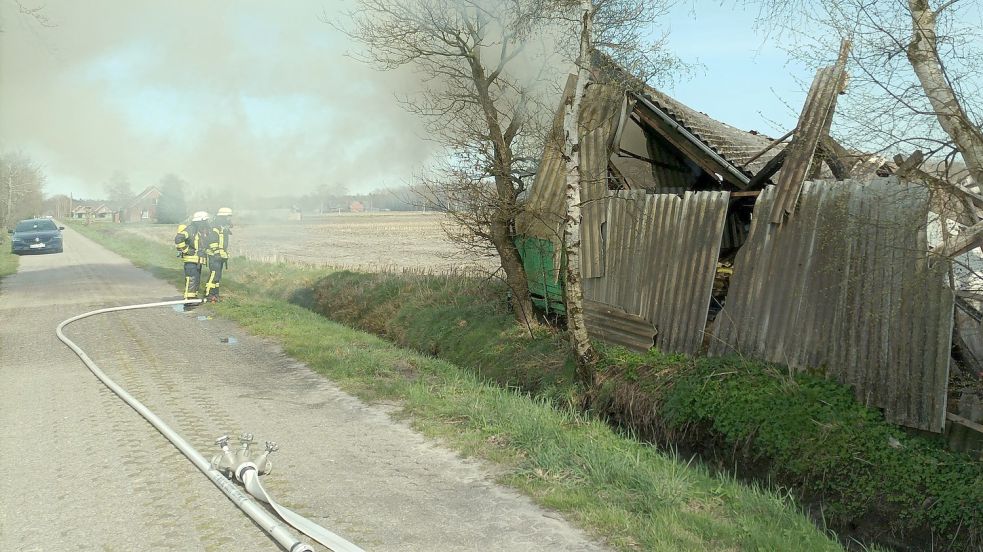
[543, 213]
[599, 122]
[616, 326]
[846, 285]
[660, 258]
[814, 123]
[546, 205]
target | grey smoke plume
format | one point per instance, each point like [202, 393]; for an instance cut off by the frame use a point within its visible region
[247, 96]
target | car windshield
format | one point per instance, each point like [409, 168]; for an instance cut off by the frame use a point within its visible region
[35, 226]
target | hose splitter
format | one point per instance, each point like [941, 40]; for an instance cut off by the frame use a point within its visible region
[228, 465]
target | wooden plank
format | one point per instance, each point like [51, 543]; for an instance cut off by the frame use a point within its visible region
[964, 422]
[768, 148]
[771, 167]
[967, 239]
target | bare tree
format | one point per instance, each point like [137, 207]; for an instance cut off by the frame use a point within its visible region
[923, 51]
[584, 351]
[613, 30]
[119, 189]
[34, 14]
[915, 73]
[467, 54]
[21, 183]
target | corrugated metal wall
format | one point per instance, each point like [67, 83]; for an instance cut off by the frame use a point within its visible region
[660, 258]
[546, 207]
[846, 284]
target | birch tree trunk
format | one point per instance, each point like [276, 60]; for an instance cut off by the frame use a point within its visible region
[924, 58]
[584, 352]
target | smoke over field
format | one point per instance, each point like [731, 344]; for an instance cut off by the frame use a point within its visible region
[364, 241]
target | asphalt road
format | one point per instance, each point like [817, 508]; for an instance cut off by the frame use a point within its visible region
[80, 470]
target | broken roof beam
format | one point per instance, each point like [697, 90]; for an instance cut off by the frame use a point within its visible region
[834, 154]
[910, 168]
[760, 179]
[813, 124]
[691, 146]
[768, 148]
[967, 239]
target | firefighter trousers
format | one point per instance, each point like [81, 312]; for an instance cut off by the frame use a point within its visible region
[215, 263]
[192, 279]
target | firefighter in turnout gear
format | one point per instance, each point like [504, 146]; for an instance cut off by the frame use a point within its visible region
[218, 251]
[190, 244]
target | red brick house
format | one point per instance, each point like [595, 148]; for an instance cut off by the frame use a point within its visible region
[143, 208]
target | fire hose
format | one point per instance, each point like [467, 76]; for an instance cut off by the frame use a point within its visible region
[244, 470]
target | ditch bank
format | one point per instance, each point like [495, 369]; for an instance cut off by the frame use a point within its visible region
[865, 479]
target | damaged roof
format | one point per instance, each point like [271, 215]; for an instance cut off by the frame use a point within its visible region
[733, 144]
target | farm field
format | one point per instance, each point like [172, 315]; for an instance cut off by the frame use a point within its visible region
[369, 242]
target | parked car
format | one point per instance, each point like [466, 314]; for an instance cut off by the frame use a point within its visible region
[36, 236]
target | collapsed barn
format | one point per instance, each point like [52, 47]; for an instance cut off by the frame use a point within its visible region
[701, 238]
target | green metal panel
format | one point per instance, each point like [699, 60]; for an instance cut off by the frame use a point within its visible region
[545, 281]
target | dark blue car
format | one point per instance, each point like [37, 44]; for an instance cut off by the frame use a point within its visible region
[36, 236]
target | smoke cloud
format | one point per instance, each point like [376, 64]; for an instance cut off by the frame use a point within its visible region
[249, 97]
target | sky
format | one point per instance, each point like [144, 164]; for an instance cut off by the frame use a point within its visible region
[264, 98]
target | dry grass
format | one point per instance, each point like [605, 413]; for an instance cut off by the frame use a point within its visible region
[363, 242]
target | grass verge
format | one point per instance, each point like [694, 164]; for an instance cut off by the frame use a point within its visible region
[865, 478]
[620, 489]
[8, 262]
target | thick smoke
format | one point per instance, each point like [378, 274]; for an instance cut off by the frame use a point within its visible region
[247, 96]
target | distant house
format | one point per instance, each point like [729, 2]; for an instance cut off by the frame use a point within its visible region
[143, 208]
[96, 210]
[356, 207]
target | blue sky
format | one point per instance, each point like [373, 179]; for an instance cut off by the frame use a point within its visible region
[740, 76]
[249, 96]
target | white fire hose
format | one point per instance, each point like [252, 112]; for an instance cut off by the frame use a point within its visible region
[246, 472]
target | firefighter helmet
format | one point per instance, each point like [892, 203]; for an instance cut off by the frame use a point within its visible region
[199, 216]
[224, 212]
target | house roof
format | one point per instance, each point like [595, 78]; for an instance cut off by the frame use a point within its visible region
[82, 205]
[148, 192]
[736, 146]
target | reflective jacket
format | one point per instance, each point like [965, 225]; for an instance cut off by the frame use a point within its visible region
[218, 241]
[188, 243]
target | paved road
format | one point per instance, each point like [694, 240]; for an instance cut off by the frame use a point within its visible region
[80, 470]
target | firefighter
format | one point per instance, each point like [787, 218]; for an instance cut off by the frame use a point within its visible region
[218, 251]
[190, 241]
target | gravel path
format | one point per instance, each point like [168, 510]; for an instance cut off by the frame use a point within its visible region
[80, 470]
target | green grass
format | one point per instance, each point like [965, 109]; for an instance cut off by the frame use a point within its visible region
[8, 261]
[865, 477]
[805, 432]
[467, 324]
[620, 489]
